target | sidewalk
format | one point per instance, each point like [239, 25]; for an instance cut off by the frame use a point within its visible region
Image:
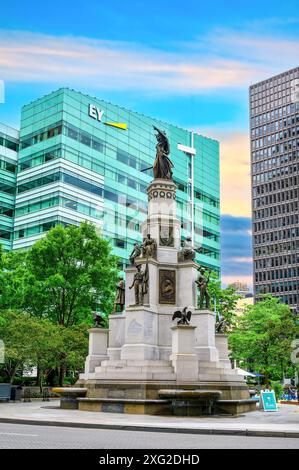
[284, 423]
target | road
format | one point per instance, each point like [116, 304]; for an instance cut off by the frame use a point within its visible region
[20, 436]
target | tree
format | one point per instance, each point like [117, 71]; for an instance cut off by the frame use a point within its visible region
[63, 277]
[223, 300]
[263, 336]
[36, 342]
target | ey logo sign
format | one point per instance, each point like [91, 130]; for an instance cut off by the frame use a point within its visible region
[97, 114]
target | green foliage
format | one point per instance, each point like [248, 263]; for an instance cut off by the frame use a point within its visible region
[31, 341]
[278, 388]
[63, 277]
[263, 336]
[224, 300]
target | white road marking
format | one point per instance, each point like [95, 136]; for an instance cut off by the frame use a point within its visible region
[17, 434]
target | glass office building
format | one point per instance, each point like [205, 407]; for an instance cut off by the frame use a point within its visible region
[9, 139]
[82, 158]
[274, 114]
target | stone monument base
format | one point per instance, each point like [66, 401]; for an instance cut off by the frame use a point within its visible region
[142, 397]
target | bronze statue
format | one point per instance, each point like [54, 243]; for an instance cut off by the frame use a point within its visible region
[120, 295]
[135, 253]
[221, 325]
[140, 284]
[188, 252]
[162, 166]
[202, 283]
[183, 316]
[99, 321]
[149, 247]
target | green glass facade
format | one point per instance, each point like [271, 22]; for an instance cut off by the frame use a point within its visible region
[73, 165]
[8, 170]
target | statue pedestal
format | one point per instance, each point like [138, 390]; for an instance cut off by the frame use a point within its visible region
[97, 352]
[205, 346]
[117, 322]
[184, 360]
[222, 346]
[141, 334]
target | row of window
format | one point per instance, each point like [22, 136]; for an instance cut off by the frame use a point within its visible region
[276, 235]
[63, 177]
[9, 142]
[37, 229]
[275, 81]
[277, 210]
[279, 198]
[279, 185]
[41, 136]
[275, 114]
[5, 234]
[276, 223]
[268, 152]
[278, 287]
[276, 261]
[8, 166]
[274, 105]
[7, 210]
[274, 126]
[288, 246]
[6, 187]
[277, 274]
[271, 139]
[275, 161]
[63, 201]
[275, 173]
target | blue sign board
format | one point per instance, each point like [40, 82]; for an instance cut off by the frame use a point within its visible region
[268, 401]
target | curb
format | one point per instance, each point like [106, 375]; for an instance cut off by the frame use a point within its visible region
[179, 430]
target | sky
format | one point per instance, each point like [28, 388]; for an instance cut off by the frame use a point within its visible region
[189, 63]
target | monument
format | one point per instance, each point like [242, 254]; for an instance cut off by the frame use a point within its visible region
[160, 350]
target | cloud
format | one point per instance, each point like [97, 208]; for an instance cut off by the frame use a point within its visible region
[33, 57]
[234, 170]
[236, 259]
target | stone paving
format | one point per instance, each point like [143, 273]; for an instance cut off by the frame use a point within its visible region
[284, 423]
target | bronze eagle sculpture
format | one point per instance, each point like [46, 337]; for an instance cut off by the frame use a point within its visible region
[183, 316]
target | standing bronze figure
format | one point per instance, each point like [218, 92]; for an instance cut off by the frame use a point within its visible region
[120, 295]
[202, 283]
[162, 165]
[140, 284]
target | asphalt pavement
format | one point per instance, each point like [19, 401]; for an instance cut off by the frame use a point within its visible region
[22, 436]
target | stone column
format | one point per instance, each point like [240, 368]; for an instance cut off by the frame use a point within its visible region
[222, 346]
[205, 347]
[184, 360]
[97, 348]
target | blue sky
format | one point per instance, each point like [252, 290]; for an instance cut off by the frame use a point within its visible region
[186, 62]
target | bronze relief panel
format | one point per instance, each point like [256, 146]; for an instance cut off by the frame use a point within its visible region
[167, 286]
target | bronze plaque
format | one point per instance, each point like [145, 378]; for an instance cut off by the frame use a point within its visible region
[166, 235]
[167, 286]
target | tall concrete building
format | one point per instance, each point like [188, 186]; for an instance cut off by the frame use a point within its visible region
[82, 158]
[274, 127]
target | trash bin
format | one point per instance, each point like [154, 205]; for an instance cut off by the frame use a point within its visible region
[15, 393]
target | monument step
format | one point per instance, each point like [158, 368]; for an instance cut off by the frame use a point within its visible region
[134, 375]
[218, 370]
[152, 369]
[141, 363]
[219, 378]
